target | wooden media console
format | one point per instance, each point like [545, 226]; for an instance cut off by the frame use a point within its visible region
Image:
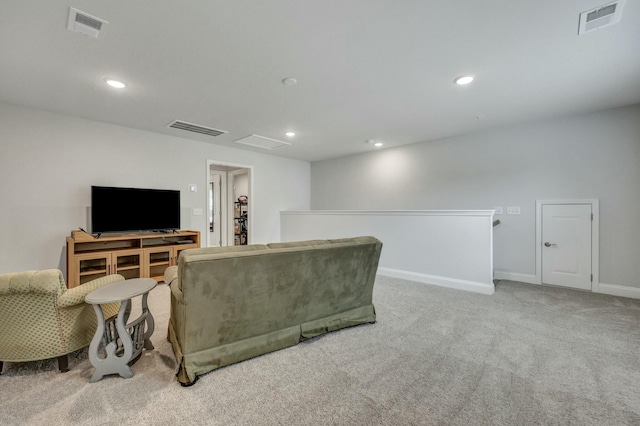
[144, 255]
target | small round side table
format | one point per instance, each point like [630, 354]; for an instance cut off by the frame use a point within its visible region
[123, 341]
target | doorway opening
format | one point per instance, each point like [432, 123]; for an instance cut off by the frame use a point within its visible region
[567, 243]
[229, 206]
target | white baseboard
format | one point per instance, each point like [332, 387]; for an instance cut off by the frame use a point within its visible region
[611, 289]
[619, 290]
[476, 287]
[515, 276]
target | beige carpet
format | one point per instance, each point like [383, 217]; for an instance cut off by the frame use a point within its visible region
[526, 355]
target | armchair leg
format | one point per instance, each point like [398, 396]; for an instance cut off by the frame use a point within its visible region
[63, 363]
[1, 364]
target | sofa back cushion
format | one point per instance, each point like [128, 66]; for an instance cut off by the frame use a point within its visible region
[29, 315]
[190, 255]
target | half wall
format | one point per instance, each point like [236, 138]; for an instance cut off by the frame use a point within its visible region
[450, 248]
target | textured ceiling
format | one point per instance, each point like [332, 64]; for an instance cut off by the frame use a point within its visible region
[366, 69]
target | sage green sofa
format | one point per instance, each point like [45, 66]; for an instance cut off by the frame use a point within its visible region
[229, 304]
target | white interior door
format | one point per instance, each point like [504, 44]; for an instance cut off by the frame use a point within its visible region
[566, 245]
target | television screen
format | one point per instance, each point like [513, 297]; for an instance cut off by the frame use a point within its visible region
[134, 209]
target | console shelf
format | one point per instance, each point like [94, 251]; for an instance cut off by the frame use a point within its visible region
[130, 255]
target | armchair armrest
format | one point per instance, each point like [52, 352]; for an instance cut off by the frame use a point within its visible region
[76, 295]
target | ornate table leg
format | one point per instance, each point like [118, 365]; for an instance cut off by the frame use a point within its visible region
[150, 324]
[95, 344]
[113, 363]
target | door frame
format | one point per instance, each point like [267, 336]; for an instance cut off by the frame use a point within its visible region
[217, 194]
[595, 238]
[228, 212]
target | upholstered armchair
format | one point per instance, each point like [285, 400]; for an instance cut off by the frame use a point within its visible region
[40, 318]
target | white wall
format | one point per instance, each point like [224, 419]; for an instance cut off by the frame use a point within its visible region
[447, 248]
[48, 163]
[241, 184]
[594, 155]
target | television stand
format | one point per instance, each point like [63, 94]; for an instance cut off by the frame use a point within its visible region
[143, 255]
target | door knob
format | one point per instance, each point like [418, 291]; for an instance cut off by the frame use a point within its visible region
[548, 244]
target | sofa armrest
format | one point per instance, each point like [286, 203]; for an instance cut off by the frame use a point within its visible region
[176, 291]
[76, 295]
[171, 277]
[170, 274]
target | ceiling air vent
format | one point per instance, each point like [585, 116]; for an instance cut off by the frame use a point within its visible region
[601, 16]
[262, 142]
[85, 24]
[195, 128]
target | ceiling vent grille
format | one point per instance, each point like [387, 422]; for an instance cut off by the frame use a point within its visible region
[262, 142]
[85, 24]
[600, 17]
[195, 128]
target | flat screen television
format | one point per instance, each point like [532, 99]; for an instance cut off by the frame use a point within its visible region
[134, 209]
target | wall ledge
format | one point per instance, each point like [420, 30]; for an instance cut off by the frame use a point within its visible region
[488, 213]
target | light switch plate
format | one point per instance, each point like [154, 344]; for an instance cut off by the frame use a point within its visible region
[513, 210]
[197, 212]
[193, 187]
[499, 210]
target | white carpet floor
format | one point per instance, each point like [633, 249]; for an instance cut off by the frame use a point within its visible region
[526, 355]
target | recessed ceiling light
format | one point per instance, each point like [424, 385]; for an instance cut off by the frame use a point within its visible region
[464, 79]
[289, 81]
[115, 83]
[375, 143]
[290, 134]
